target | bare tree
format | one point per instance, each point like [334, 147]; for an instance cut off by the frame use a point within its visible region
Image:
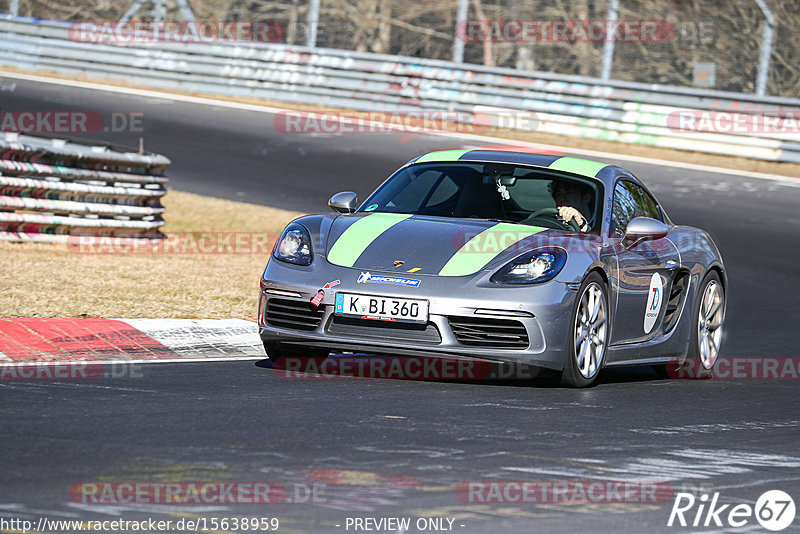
[725, 32]
[488, 56]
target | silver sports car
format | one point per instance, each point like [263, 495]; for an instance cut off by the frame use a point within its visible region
[553, 262]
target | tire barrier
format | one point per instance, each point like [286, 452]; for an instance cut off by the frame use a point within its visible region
[52, 190]
[766, 128]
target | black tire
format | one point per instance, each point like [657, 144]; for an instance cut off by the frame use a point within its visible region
[572, 376]
[278, 352]
[695, 365]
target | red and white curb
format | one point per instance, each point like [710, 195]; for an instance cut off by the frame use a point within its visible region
[127, 340]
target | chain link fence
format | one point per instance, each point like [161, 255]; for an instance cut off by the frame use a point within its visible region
[713, 44]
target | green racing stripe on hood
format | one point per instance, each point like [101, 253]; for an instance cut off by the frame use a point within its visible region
[584, 167]
[486, 246]
[442, 155]
[352, 243]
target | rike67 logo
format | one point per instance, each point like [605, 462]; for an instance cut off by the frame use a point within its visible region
[774, 510]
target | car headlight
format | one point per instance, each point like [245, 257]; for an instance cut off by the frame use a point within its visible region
[532, 268]
[294, 245]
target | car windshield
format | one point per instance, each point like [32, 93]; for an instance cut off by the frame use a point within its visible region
[491, 191]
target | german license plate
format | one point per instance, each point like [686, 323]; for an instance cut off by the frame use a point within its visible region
[381, 308]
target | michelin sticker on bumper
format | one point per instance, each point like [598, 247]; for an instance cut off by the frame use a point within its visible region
[367, 278]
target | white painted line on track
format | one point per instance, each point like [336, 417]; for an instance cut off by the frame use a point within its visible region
[752, 483]
[785, 180]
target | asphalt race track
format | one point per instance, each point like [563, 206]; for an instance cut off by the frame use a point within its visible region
[397, 448]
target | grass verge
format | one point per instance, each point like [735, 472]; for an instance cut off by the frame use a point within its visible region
[48, 280]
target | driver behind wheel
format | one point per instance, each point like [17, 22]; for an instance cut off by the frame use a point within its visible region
[573, 202]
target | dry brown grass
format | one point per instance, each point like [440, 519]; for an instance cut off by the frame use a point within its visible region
[50, 280]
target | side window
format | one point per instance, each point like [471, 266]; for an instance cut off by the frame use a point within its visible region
[647, 204]
[632, 201]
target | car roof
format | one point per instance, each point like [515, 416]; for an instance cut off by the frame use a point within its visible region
[582, 167]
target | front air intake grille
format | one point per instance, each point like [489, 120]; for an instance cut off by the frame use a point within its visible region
[384, 330]
[489, 333]
[293, 314]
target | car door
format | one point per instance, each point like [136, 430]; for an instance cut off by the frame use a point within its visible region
[644, 270]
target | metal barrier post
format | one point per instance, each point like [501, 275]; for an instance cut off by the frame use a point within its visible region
[458, 42]
[766, 48]
[313, 23]
[608, 47]
[186, 10]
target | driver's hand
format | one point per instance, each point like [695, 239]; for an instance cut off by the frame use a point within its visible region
[569, 213]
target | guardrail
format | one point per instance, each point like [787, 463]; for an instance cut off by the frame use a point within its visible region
[52, 190]
[566, 105]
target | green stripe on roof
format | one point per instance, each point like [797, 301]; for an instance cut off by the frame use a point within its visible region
[355, 240]
[584, 167]
[442, 155]
[484, 247]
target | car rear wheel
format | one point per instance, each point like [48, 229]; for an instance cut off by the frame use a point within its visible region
[588, 334]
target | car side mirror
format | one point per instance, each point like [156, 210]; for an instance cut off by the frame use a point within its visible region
[345, 202]
[644, 229]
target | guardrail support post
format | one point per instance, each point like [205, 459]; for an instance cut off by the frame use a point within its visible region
[13, 9]
[461, 20]
[766, 48]
[159, 10]
[313, 23]
[135, 7]
[608, 46]
[186, 10]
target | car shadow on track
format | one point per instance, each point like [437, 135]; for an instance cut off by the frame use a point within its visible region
[478, 372]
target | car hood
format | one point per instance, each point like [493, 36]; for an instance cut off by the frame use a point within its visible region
[426, 245]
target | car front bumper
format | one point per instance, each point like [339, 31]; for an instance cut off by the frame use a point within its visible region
[543, 310]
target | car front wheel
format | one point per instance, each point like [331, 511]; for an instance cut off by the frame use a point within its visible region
[706, 336]
[588, 334]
